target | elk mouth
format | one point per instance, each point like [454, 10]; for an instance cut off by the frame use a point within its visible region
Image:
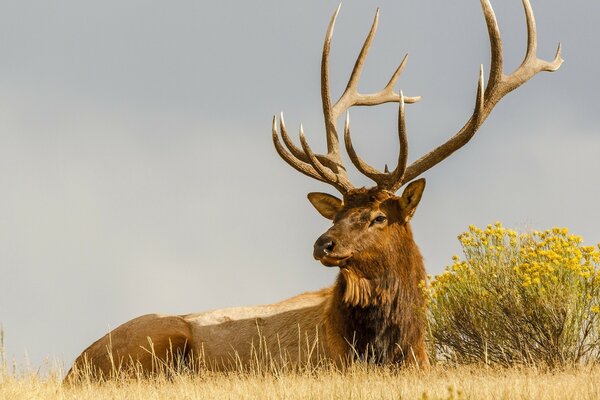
[331, 260]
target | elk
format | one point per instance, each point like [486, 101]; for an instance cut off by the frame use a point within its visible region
[373, 310]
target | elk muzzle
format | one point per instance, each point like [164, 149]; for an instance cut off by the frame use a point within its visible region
[327, 251]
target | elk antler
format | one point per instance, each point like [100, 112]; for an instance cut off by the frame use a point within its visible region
[497, 87]
[329, 168]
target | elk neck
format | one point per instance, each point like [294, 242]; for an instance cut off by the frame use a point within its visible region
[377, 303]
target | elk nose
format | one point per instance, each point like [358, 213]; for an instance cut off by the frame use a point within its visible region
[323, 246]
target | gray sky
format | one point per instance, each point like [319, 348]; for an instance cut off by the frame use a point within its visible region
[137, 170]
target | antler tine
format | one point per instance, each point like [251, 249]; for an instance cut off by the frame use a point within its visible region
[497, 87]
[531, 32]
[398, 174]
[306, 162]
[352, 97]
[360, 60]
[351, 92]
[332, 138]
[293, 161]
[338, 180]
[531, 53]
[387, 180]
[392, 82]
[362, 166]
[297, 152]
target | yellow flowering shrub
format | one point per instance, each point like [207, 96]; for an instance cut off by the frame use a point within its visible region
[518, 298]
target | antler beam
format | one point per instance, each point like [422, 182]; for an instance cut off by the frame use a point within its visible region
[497, 87]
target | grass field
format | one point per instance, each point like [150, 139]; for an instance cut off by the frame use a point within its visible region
[359, 382]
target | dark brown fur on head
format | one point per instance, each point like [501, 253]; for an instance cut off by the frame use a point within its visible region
[377, 303]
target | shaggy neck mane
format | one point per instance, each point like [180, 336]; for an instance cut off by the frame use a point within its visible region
[380, 316]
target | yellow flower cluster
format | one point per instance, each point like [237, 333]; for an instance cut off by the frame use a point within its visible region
[492, 245]
[539, 259]
[554, 254]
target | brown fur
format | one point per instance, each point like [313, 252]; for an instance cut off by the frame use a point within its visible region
[373, 311]
[149, 340]
[377, 300]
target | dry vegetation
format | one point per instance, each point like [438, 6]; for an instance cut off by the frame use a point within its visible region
[518, 298]
[358, 383]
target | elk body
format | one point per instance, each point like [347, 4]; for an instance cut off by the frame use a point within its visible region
[374, 309]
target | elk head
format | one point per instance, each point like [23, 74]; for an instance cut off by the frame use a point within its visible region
[367, 222]
[363, 224]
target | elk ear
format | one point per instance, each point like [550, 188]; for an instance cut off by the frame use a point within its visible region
[410, 198]
[326, 204]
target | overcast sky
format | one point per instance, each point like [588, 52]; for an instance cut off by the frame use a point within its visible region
[137, 172]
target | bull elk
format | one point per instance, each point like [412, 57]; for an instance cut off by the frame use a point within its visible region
[372, 311]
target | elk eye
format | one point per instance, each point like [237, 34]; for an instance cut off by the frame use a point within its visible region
[379, 219]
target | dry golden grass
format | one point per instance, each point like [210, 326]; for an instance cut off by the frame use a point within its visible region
[360, 382]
